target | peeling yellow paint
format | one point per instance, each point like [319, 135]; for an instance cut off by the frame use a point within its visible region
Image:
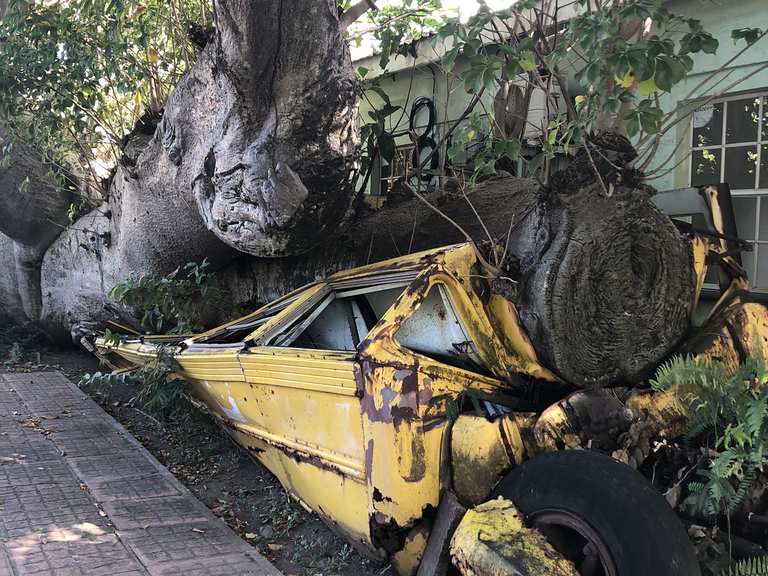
[481, 452]
[360, 438]
[406, 561]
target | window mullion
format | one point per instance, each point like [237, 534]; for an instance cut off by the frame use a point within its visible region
[759, 143]
[722, 142]
[756, 245]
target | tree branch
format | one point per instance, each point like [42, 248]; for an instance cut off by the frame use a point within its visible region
[355, 12]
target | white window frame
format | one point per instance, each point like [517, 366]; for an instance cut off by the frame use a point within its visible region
[760, 194]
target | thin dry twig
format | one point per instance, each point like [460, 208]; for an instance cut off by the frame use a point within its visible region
[594, 167]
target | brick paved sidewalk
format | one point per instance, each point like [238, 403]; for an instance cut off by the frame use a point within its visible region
[79, 495]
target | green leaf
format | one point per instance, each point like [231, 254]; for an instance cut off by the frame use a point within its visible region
[552, 136]
[527, 60]
[633, 125]
[507, 148]
[383, 95]
[512, 68]
[647, 87]
[709, 44]
[473, 78]
[749, 35]
[535, 163]
[448, 61]
[387, 146]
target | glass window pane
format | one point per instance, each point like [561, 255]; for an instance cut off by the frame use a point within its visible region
[762, 234]
[761, 279]
[742, 119]
[765, 118]
[741, 167]
[764, 166]
[708, 125]
[705, 167]
[748, 261]
[745, 210]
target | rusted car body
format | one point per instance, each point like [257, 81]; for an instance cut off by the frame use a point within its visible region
[350, 390]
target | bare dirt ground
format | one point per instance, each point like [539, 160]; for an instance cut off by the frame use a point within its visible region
[236, 488]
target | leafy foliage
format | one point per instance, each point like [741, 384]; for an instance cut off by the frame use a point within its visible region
[75, 76]
[620, 69]
[729, 409]
[158, 388]
[398, 26]
[756, 566]
[172, 302]
[625, 54]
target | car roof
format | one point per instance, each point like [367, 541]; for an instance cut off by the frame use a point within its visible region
[409, 262]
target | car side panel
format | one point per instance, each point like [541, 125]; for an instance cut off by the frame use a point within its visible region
[303, 406]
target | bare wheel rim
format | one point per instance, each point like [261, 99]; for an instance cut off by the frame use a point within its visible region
[576, 540]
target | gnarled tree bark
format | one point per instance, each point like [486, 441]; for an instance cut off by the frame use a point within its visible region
[254, 154]
[251, 167]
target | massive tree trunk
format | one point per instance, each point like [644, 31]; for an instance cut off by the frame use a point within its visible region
[254, 154]
[250, 167]
[33, 212]
[606, 283]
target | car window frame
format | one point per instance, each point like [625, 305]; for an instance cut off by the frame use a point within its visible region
[268, 335]
[408, 303]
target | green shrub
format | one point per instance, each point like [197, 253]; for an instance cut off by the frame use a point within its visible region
[172, 303]
[157, 387]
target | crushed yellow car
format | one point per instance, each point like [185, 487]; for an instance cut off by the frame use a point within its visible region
[350, 390]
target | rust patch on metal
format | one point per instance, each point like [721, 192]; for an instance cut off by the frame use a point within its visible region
[418, 462]
[288, 451]
[369, 461]
[386, 534]
[379, 497]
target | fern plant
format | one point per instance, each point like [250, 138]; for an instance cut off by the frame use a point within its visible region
[729, 409]
[757, 566]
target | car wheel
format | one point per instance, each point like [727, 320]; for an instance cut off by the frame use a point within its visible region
[601, 514]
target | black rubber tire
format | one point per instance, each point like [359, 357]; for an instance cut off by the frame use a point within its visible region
[641, 532]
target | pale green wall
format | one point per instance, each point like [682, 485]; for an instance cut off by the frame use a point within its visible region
[719, 18]
[425, 79]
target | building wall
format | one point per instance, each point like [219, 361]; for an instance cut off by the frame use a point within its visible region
[672, 166]
[420, 79]
[742, 161]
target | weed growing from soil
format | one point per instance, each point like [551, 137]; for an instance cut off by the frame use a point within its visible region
[157, 389]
